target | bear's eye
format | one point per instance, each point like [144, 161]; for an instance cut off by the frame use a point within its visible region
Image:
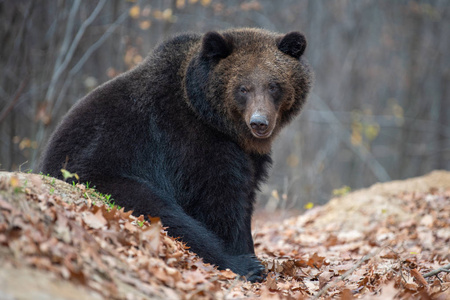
[243, 90]
[273, 87]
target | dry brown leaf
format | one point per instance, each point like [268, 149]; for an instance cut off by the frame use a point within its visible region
[316, 261]
[153, 237]
[271, 282]
[289, 268]
[311, 286]
[94, 221]
[130, 227]
[5, 205]
[54, 233]
[227, 274]
[324, 278]
[419, 277]
[346, 295]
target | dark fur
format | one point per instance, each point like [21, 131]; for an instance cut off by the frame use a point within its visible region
[170, 139]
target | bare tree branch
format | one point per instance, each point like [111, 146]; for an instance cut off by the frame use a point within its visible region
[59, 69]
[348, 273]
[378, 170]
[445, 268]
[72, 49]
[64, 47]
[67, 34]
[85, 57]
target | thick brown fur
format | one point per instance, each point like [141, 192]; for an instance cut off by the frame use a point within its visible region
[186, 135]
[256, 58]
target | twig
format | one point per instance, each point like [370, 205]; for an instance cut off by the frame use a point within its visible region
[232, 285]
[400, 269]
[445, 268]
[348, 273]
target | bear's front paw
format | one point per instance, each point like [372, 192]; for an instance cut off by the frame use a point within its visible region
[249, 266]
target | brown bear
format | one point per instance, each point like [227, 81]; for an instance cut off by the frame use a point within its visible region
[186, 135]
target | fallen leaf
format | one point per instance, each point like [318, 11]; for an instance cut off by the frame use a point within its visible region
[227, 274]
[419, 277]
[324, 278]
[271, 282]
[94, 221]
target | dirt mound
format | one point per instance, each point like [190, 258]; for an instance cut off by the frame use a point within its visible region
[378, 202]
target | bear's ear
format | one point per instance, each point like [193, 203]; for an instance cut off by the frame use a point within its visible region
[293, 44]
[215, 46]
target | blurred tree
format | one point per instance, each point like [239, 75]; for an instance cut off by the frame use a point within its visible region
[380, 108]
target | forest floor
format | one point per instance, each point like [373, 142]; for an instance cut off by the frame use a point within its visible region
[390, 241]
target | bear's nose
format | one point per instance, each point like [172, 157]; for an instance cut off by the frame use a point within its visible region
[259, 123]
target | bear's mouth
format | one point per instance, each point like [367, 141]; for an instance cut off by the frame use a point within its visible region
[261, 134]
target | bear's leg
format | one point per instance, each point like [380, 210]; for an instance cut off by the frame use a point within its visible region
[242, 240]
[138, 195]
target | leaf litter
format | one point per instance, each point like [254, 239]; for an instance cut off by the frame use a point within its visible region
[391, 241]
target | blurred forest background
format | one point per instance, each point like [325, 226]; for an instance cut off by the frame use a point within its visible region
[379, 110]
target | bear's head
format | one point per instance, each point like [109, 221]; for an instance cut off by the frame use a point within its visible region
[248, 83]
